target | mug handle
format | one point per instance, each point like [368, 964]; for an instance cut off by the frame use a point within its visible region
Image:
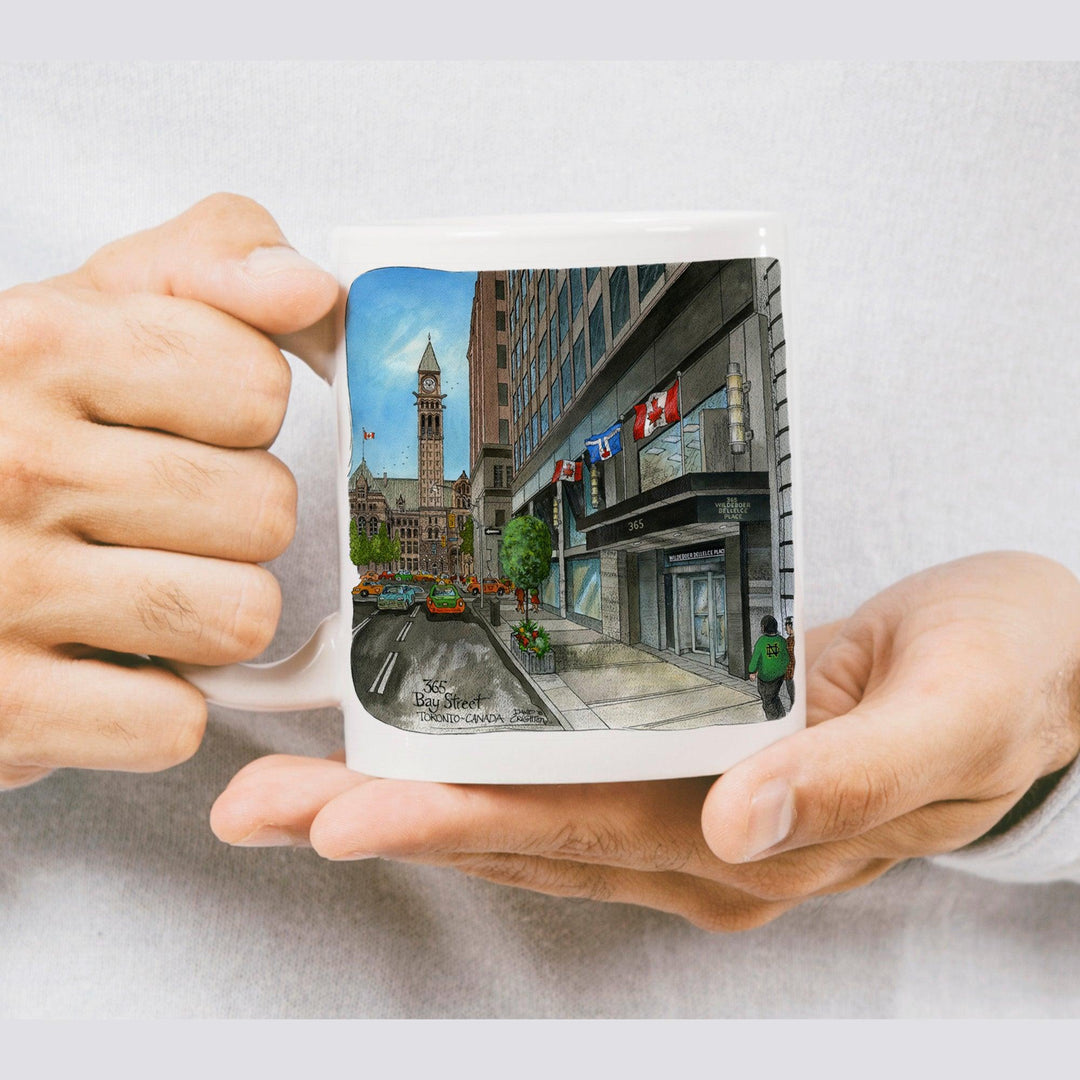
[309, 678]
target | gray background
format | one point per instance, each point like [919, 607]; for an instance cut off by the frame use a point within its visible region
[932, 314]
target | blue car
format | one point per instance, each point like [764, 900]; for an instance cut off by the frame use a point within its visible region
[396, 598]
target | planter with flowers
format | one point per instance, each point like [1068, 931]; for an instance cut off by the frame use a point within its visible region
[532, 647]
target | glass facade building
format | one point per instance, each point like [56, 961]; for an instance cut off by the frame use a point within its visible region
[680, 541]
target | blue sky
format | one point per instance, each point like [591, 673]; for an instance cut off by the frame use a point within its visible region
[391, 311]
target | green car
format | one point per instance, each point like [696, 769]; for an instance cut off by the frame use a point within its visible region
[403, 575]
[444, 600]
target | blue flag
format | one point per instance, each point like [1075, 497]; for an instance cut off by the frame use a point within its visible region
[606, 444]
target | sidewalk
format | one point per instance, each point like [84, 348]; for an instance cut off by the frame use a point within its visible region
[600, 683]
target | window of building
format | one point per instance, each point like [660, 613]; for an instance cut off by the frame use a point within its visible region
[590, 276]
[534, 426]
[517, 406]
[534, 381]
[528, 439]
[567, 382]
[661, 459]
[504, 394]
[500, 356]
[619, 284]
[497, 480]
[532, 320]
[541, 295]
[542, 354]
[500, 518]
[553, 334]
[579, 359]
[575, 292]
[556, 405]
[500, 320]
[543, 417]
[504, 432]
[500, 289]
[564, 313]
[647, 277]
[596, 334]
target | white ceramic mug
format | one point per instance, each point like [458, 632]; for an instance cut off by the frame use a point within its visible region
[633, 407]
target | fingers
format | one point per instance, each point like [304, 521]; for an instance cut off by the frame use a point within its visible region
[913, 742]
[274, 800]
[167, 364]
[58, 711]
[706, 904]
[227, 252]
[631, 825]
[152, 603]
[176, 495]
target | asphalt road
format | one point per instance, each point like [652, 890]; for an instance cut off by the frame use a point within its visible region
[437, 674]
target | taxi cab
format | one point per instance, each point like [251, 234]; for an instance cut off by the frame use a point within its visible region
[492, 587]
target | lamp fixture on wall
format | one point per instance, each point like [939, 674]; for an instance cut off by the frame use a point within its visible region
[737, 387]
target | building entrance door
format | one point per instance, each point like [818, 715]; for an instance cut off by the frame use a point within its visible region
[699, 608]
[700, 617]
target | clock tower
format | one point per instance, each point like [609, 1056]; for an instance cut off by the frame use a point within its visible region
[429, 431]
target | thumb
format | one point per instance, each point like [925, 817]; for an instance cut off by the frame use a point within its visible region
[227, 252]
[855, 772]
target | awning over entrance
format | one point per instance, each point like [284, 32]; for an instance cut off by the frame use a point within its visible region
[690, 508]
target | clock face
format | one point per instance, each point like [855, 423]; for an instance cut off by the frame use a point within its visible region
[428, 383]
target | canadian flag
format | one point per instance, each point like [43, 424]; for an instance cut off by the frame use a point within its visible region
[661, 409]
[368, 434]
[567, 470]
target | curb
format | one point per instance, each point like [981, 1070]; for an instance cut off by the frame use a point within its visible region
[538, 691]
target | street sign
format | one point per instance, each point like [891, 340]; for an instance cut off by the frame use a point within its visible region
[493, 532]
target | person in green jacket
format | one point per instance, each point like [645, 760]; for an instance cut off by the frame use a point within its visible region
[768, 666]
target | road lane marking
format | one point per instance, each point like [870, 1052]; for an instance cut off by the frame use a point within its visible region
[360, 626]
[404, 631]
[379, 685]
[415, 612]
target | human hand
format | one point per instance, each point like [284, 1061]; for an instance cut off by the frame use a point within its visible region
[931, 711]
[137, 398]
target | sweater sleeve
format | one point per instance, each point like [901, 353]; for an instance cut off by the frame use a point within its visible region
[1042, 844]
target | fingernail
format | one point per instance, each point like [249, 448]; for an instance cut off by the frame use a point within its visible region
[772, 817]
[267, 261]
[271, 836]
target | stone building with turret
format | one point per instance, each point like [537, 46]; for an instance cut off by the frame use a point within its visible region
[426, 514]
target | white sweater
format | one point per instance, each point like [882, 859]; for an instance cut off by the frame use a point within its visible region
[935, 256]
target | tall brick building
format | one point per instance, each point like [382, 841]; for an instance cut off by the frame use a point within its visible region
[490, 456]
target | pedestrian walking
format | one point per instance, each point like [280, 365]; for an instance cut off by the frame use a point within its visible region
[768, 667]
[519, 594]
[789, 675]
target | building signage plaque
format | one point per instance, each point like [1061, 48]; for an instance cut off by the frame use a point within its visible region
[698, 554]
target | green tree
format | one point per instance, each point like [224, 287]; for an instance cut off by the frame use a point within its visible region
[359, 546]
[384, 550]
[467, 537]
[525, 554]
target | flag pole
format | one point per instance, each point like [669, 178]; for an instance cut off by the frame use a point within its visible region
[682, 431]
